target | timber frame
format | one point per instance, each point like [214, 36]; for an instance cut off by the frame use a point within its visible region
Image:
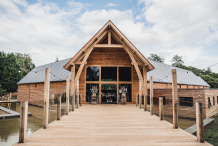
[109, 30]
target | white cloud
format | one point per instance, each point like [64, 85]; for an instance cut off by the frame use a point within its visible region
[111, 5]
[166, 28]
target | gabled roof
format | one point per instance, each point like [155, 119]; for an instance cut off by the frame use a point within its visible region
[163, 74]
[37, 75]
[57, 73]
[109, 24]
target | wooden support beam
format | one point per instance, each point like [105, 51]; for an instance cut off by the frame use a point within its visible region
[9, 99]
[73, 102]
[109, 37]
[145, 86]
[175, 99]
[80, 100]
[67, 94]
[53, 99]
[72, 92]
[140, 93]
[59, 108]
[77, 94]
[136, 100]
[151, 96]
[199, 122]
[161, 108]
[108, 46]
[46, 97]
[23, 121]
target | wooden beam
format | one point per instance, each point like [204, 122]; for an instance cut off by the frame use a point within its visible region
[175, 99]
[46, 97]
[72, 92]
[109, 37]
[145, 86]
[161, 108]
[59, 108]
[79, 59]
[23, 121]
[140, 93]
[151, 96]
[199, 122]
[67, 94]
[77, 94]
[108, 46]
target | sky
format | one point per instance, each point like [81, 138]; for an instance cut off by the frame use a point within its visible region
[47, 29]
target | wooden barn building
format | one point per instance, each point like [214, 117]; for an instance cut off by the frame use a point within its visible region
[109, 61]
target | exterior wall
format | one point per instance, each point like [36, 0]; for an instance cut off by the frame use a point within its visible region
[213, 110]
[197, 94]
[35, 92]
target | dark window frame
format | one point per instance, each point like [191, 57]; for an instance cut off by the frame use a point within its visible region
[186, 103]
[87, 79]
[120, 77]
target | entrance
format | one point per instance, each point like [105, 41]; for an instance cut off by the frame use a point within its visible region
[109, 94]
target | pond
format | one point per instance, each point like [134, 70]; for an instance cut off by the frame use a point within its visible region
[9, 128]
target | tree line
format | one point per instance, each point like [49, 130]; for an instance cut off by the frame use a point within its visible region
[207, 75]
[13, 67]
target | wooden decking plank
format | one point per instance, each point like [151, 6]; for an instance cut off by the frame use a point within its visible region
[111, 125]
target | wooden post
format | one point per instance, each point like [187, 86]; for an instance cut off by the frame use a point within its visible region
[199, 122]
[140, 93]
[46, 97]
[80, 100]
[72, 92]
[109, 37]
[137, 100]
[145, 86]
[53, 99]
[77, 94]
[151, 96]
[67, 94]
[161, 108]
[59, 108]
[23, 121]
[175, 99]
[73, 102]
[9, 97]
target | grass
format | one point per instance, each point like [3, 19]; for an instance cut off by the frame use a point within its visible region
[211, 134]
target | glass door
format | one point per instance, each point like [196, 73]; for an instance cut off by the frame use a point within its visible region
[109, 94]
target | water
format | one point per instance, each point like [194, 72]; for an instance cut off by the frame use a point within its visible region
[9, 128]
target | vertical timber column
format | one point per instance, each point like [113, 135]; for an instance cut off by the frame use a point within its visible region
[46, 97]
[151, 95]
[77, 93]
[67, 94]
[136, 99]
[199, 122]
[175, 99]
[10, 96]
[73, 86]
[145, 86]
[109, 37]
[161, 108]
[140, 93]
[23, 121]
[59, 108]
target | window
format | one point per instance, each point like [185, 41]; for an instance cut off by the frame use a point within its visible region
[92, 74]
[89, 93]
[186, 101]
[35, 85]
[213, 100]
[109, 74]
[148, 100]
[125, 74]
[209, 103]
[128, 94]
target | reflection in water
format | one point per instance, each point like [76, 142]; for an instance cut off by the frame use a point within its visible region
[9, 128]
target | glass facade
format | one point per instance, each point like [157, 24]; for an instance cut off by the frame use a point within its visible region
[108, 73]
[108, 93]
[128, 94]
[92, 74]
[89, 93]
[125, 74]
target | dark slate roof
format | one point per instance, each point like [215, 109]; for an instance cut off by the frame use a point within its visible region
[161, 73]
[57, 73]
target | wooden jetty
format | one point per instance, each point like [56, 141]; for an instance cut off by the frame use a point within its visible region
[111, 125]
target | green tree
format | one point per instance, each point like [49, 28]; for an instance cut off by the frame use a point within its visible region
[25, 62]
[178, 62]
[2, 91]
[155, 57]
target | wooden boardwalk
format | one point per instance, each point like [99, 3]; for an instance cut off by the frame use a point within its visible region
[111, 125]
